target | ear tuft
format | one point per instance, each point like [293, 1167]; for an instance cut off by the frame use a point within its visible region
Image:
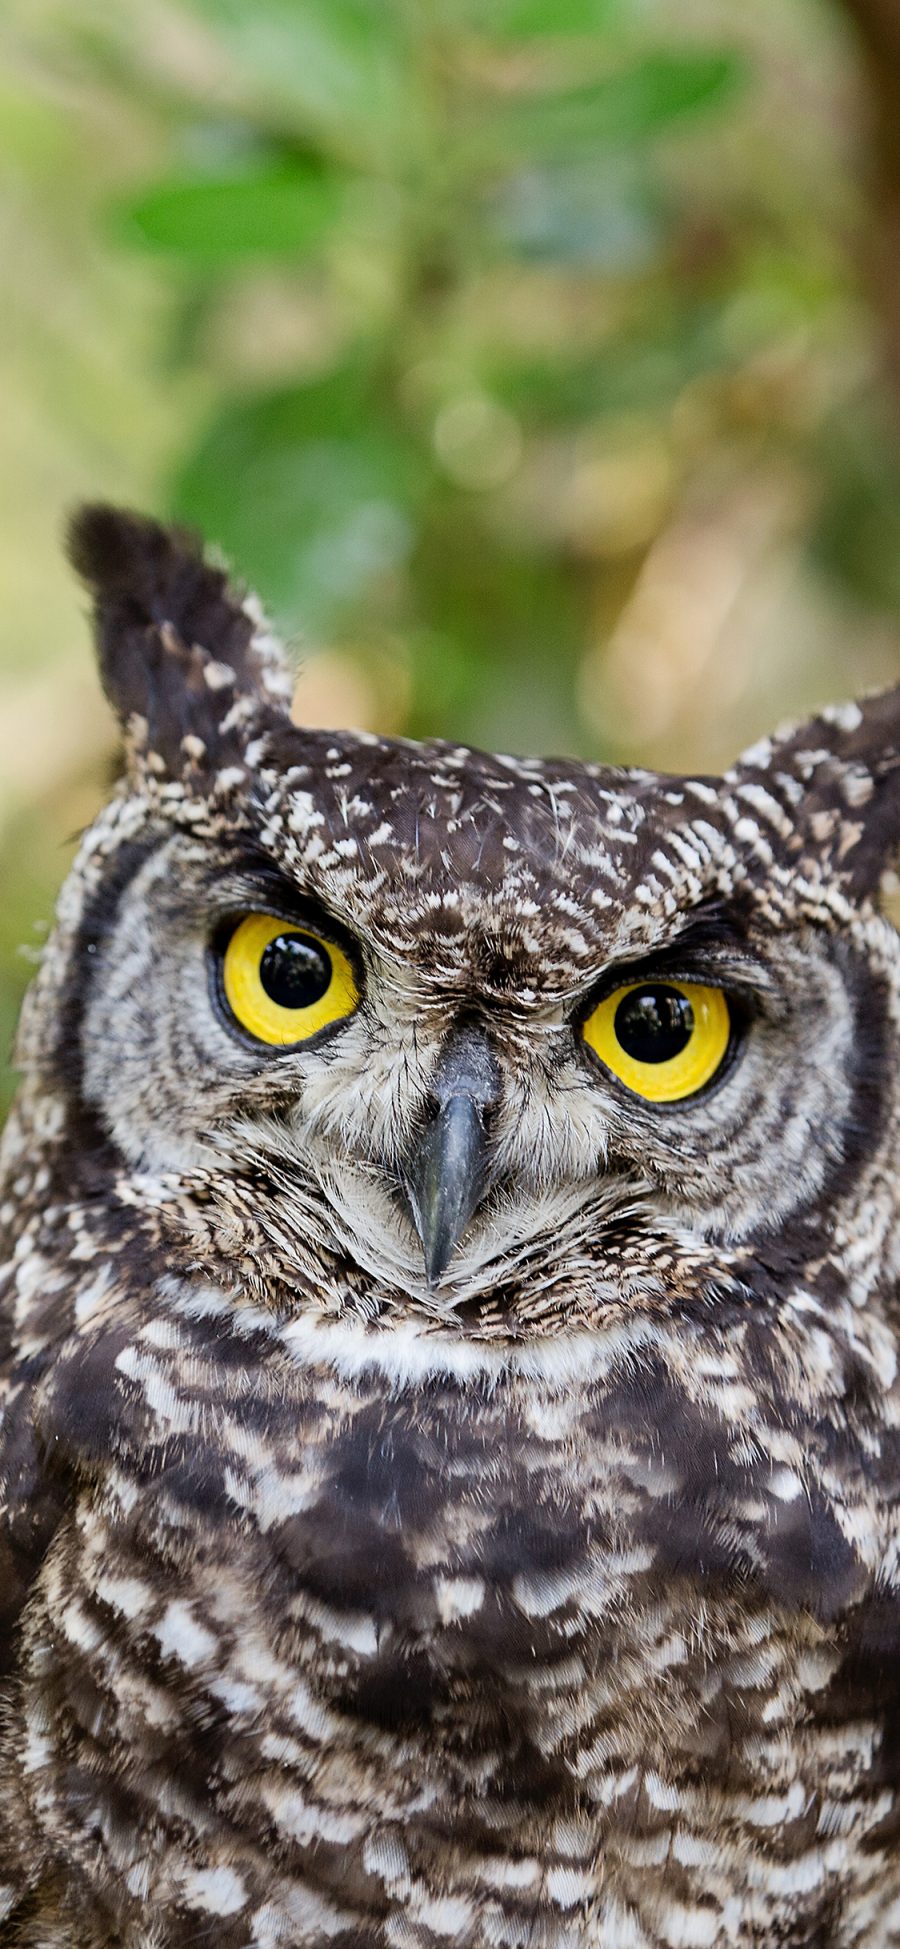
[827, 793]
[176, 644]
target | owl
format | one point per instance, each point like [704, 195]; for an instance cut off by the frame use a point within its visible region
[449, 1414]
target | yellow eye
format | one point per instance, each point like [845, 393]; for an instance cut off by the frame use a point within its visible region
[283, 983]
[663, 1039]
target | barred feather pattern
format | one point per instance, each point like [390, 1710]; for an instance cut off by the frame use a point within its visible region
[555, 1605]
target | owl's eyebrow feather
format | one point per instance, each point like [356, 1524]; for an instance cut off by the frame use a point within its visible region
[243, 874]
[714, 942]
[714, 924]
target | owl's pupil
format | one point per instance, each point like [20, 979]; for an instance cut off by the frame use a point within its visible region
[654, 1023]
[295, 971]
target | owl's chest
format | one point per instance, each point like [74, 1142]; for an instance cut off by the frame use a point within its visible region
[418, 1553]
[482, 1523]
[331, 1619]
[418, 1541]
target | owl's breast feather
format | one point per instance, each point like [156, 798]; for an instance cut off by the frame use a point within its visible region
[307, 1601]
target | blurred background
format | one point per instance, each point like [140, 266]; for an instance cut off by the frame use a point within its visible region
[538, 361]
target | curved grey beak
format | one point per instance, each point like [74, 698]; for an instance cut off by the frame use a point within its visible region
[448, 1174]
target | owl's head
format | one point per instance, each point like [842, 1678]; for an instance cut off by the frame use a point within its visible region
[444, 1015]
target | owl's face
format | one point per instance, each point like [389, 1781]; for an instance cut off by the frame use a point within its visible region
[446, 1009]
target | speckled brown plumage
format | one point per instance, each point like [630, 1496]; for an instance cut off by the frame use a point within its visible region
[552, 1605]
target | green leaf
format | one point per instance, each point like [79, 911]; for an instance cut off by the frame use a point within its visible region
[638, 102]
[277, 210]
[642, 368]
[339, 68]
[537, 19]
[311, 491]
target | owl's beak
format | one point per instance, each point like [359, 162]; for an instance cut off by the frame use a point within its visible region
[448, 1173]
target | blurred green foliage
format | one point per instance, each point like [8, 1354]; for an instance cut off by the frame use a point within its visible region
[514, 349]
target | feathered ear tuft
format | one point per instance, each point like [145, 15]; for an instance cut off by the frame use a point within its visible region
[178, 649]
[827, 794]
